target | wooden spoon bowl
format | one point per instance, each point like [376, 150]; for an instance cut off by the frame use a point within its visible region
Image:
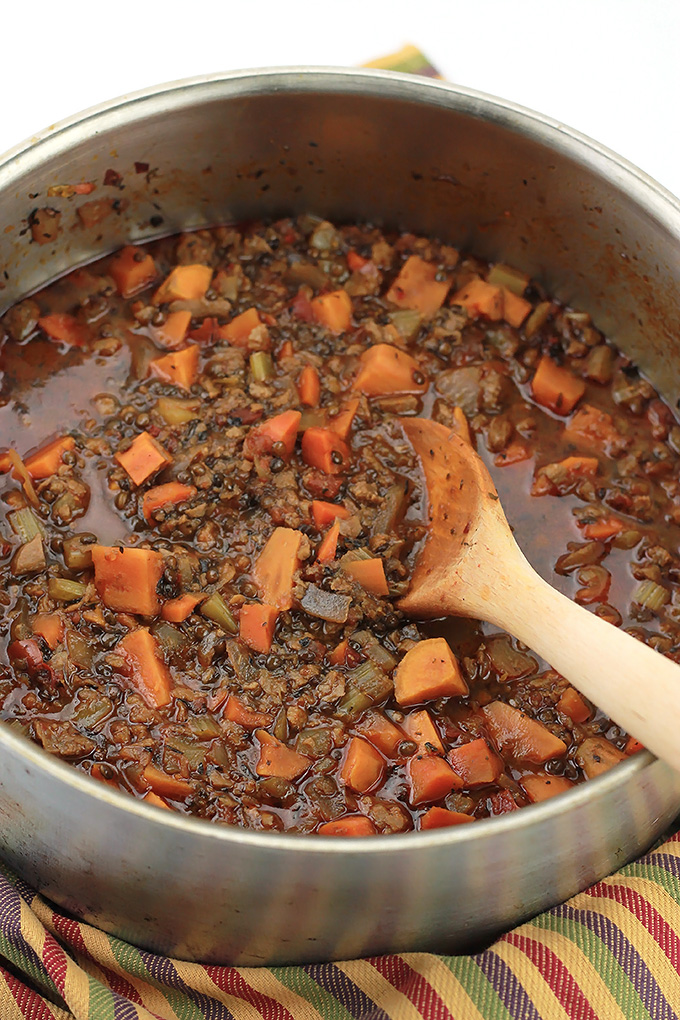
[470, 565]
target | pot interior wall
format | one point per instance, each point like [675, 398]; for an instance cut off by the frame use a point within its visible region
[347, 146]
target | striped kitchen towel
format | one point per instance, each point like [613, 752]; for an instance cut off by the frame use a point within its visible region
[610, 953]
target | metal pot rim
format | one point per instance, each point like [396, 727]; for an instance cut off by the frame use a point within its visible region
[653, 197]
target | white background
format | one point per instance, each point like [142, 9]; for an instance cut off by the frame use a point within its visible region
[610, 68]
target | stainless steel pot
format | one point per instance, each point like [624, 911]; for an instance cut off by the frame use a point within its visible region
[401, 151]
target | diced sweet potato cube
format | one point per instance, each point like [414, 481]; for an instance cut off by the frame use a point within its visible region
[428, 671]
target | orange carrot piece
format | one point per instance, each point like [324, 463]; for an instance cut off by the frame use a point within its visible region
[164, 785]
[65, 329]
[334, 310]
[342, 422]
[428, 671]
[370, 574]
[162, 495]
[282, 428]
[538, 786]
[582, 467]
[237, 331]
[364, 766]
[274, 570]
[338, 657]
[132, 270]
[184, 283]
[419, 727]
[518, 735]
[286, 350]
[325, 450]
[515, 308]
[174, 329]
[309, 387]
[573, 705]
[589, 426]
[481, 300]
[152, 798]
[328, 546]
[179, 368]
[515, 452]
[430, 778]
[97, 773]
[556, 387]
[147, 671]
[387, 369]
[257, 624]
[416, 287]
[5, 463]
[475, 763]
[348, 825]
[126, 579]
[143, 458]
[246, 717]
[442, 818]
[603, 529]
[46, 462]
[278, 760]
[383, 734]
[324, 514]
[633, 746]
[50, 627]
[180, 609]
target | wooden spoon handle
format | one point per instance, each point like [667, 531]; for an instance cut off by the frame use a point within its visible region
[630, 682]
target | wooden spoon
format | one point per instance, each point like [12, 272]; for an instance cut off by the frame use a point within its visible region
[471, 566]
